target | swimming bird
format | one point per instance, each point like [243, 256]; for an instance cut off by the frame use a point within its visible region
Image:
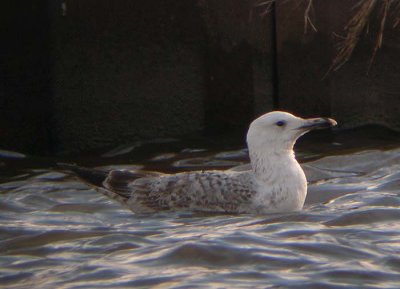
[275, 183]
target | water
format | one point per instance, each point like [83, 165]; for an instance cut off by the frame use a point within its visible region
[55, 232]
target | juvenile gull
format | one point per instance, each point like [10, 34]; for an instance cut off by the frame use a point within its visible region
[275, 183]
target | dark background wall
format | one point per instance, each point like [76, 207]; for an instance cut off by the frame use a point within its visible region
[25, 70]
[80, 75]
[87, 74]
[127, 70]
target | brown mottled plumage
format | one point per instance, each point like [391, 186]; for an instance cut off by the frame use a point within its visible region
[212, 191]
[143, 191]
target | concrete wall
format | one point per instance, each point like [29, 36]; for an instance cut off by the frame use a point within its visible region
[131, 70]
[127, 70]
[239, 63]
[25, 76]
[87, 74]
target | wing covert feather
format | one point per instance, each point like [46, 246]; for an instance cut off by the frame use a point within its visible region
[202, 191]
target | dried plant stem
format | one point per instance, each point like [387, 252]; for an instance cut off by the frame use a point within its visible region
[307, 19]
[354, 28]
[379, 38]
[396, 10]
[267, 6]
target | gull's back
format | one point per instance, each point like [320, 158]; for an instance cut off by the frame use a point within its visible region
[207, 191]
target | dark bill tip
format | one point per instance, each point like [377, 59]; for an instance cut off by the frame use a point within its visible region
[318, 123]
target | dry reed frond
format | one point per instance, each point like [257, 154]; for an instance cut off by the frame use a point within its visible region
[396, 22]
[396, 11]
[379, 38]
[267, 5]
[307, 19]
[359, 23]
[354, 28]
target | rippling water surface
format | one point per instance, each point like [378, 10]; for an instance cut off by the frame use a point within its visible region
[55, 232]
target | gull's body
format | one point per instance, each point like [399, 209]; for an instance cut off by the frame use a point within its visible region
[275, 183]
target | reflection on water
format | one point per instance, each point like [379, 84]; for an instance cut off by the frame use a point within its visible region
[55, 232]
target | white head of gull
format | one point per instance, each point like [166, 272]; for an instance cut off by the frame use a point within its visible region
[275, 183]
[281, 182]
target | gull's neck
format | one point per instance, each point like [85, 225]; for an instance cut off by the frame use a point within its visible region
[280, 180]
[272, 166]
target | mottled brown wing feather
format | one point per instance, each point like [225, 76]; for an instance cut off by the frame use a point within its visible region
[209, 191]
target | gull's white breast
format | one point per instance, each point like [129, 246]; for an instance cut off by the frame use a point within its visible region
[281, 187]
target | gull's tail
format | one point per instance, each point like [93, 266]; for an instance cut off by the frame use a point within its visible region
[94, 178]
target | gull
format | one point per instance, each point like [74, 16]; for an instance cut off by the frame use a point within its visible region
[275, 182]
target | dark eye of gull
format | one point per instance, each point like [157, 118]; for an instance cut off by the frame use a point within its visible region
[280, 123]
